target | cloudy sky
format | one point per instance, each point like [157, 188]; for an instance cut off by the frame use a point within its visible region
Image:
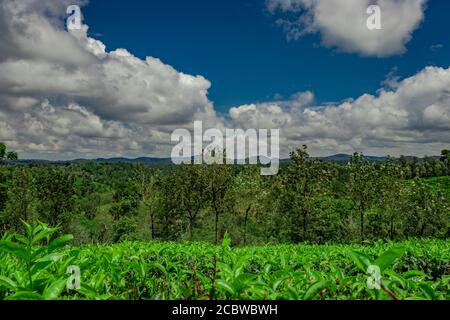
[137, 70]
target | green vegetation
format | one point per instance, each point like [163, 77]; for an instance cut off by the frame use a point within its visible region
[409, 270]
[153, 232]
[310, 200]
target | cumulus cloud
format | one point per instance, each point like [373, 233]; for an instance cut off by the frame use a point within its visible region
[63, 92]
[412, 118]
[342, 24]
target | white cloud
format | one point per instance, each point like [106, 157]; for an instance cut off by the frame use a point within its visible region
[63, 92]
[413, 118]
[342, 24]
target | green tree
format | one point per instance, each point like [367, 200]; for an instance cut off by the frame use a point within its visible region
[189, 193]
[445, 155]
[427, 211]
[7, 155]
[12, 155]
[362, 186]
[169, 215]
[250, 193]
[4, 226]
[304, 183]
[126, 199]
[2, 150]
[148, 183]
[387, 214]
[55, 190]
[219, 182]
[445, 159]
[20, 199]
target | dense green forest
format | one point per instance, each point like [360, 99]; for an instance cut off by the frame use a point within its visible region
[308, 201]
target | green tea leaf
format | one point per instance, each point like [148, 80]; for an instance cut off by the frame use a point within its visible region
[314, 290]
[25, 295]
[14, 248]
[8, 283]
[60, 242]
[226, 286]
[428, 291]
[386, 259]
[53, 291]
[362, 260]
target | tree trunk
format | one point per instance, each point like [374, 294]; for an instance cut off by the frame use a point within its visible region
[191, 226]
[152, 226]
[361, 217]
[217, 228]
[362, 225]
[422, 230]
[305, 224]
[217, 216]
[245, 224]
[392, 228]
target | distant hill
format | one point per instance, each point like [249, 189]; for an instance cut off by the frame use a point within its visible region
[342, 157]
[160, 161]
[144, 160]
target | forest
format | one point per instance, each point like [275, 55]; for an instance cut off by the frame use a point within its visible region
[309, 201]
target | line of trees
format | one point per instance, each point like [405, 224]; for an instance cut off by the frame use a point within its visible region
[310, 200]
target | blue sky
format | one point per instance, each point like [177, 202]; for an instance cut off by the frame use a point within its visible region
[237, 45]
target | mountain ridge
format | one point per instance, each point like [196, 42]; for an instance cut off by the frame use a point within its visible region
[340, 157]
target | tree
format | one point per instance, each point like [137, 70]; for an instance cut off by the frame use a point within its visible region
[219, 182]
[12, 155]
[7, 155]
[126, 199]
[445, 155]
[3, 199]
[445, 159]
[386, 216]
[20, 199]
[433, 167]
[189, 193]
[2, 151]
[148, 184]
[406, 167]
[168, 212]
[362, 186]
[250, 196]
[427, 211]
[304, 183]
[55, 190]
[124, 229]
